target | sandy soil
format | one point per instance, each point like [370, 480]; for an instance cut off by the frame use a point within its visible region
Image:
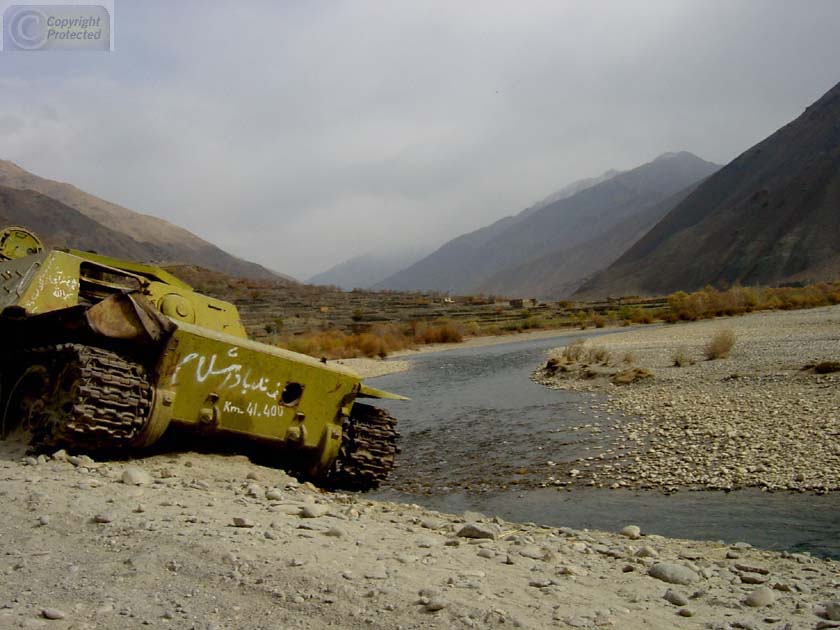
[188, 540]
[371, 368]
[755, 418]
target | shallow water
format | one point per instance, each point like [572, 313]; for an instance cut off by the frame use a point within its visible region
[477, 426]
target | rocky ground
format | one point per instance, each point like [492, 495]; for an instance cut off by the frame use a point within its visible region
[188, 540]
[759, 418]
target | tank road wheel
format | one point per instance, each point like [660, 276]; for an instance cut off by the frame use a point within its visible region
[24, 407]
[96, 399]
[368, 449]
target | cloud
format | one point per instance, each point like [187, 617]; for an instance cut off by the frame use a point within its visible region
[301, 134]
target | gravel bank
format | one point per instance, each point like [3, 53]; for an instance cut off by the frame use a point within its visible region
[754, 419]
[203, 541]
[371, 368]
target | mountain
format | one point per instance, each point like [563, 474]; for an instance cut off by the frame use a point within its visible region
[560, 273]
[449, 255]
[362, 272]
[567, 191]
[60, 225]
[511, 252]
[158, 239]
[770, 216]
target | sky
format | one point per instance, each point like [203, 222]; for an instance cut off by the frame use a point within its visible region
[300, 134]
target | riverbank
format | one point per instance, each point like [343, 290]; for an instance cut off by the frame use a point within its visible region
[400, 361]
[760, 417]
[187, 540]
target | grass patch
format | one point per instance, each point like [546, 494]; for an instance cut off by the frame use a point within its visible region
[720, 345]
[682, 357]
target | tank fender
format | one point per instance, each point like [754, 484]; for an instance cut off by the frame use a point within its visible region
[366, 391]
[129, 317]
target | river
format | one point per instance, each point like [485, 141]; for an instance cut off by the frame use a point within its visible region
[479, 435]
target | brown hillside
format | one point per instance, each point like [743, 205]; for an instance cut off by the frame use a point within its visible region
[161, 239]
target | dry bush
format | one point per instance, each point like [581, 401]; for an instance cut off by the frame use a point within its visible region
[630, 376]
[599, 321]
[682, 357]
[710, 302]
[720, 345]
[598, 354]
[441, 332]
[629, 358]
[574, 351]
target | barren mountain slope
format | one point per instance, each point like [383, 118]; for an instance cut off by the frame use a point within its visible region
[169, 241]
[770, 216]
[470, 261]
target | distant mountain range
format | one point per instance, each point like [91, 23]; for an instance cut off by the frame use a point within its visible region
[64, 215]
[549, 249]
[371, 269]
[770, 216]
[363, 272]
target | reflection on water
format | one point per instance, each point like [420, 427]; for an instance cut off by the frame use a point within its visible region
[477, 426]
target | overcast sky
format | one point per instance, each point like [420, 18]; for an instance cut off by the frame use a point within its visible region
[298, 134]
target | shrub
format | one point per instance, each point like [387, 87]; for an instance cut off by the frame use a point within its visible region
[597, 354]
[682, 357]
[574, 351]
[720, 345]
[629, 358]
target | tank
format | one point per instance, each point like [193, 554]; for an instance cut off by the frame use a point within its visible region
[102, 354]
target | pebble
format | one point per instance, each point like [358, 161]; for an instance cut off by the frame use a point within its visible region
[832, 611]
[242, 521]
[673, 573]
[631, 531]
[478, 530]
[53, 613]
[534, 552]
[335, 532]
[135, 476]
[435, 604]
[274, 494]
[43, 520]
[760, 597]
[647, 552]
[82, 461]
[751, 568]
[377, 573]
[543, 583]
[685, 612]
[314, 510]
[676, 598]
[103, 517]
[432, 523]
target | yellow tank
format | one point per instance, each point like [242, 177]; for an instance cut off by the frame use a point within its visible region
[105, 354]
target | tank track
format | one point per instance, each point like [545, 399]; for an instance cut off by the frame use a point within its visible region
[99, 400]
[368, 450]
